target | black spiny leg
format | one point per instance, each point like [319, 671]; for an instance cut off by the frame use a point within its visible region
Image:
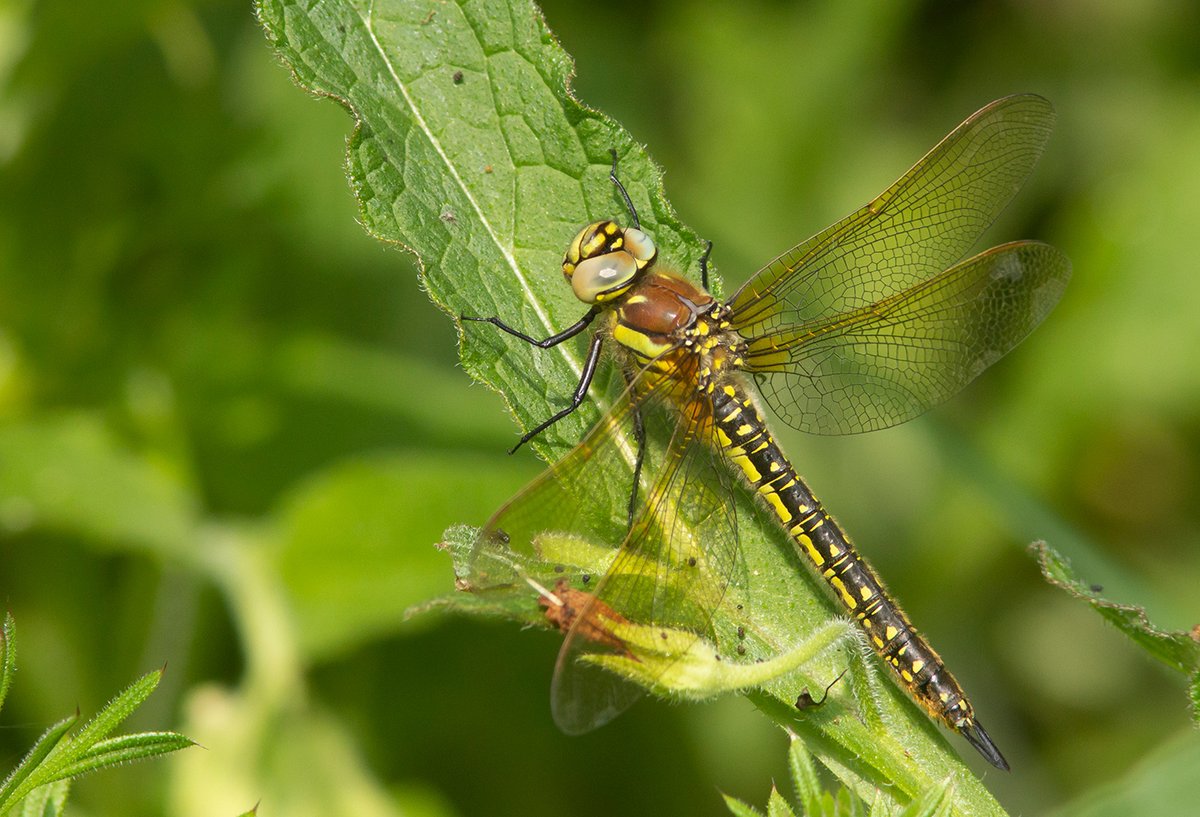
[585, 380]
[612, 174]
[639, 436]
[570, 332]
[704, 265]
[589, 366]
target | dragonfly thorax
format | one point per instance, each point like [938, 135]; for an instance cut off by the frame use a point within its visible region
[666, 312]
[604, 260]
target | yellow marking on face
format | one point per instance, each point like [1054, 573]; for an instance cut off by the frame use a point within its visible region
[780, 509]
[890, 632]
[866, 593]
[611, 228]
[917, 666]
[807, 544]
[840, 586]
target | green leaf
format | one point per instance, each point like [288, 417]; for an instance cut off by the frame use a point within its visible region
[353, 558]
[804, 778]
[125, 749]
[777, 806]
[470, 151]
[8, 655]
[69, 472]
[1178, 650]
[740, 809]
[1161, 783]
[22, 780]
[44, 801]
[934, 802]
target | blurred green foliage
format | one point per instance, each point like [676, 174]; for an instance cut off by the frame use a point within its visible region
[231, 425]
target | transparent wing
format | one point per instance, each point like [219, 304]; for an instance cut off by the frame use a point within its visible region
[888, 362]
[670, 568]
[924, 222]
[863, 326]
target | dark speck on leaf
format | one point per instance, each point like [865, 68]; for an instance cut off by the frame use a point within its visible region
[458, 77]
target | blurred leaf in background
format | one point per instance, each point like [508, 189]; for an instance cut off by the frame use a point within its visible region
[231, 424]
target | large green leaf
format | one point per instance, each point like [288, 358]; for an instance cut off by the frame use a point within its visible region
[1178, 650]
[470, 150]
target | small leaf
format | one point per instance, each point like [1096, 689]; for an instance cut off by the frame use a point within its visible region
[8, 655]
[44, 801]
[933, 802]
[777, 806]
[125, 749]
[1178, 650]
[804, 777]
[22, 780]
[740, 809]
[110, 717]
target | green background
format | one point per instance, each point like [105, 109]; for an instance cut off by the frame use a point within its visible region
[232, 426]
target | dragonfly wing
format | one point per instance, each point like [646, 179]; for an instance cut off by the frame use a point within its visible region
[924, 222]
[885, 363]
[671, 570]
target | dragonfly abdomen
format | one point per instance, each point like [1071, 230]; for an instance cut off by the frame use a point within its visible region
[742, 433]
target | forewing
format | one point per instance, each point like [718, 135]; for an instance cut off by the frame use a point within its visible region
[926, 221]
[886, 363]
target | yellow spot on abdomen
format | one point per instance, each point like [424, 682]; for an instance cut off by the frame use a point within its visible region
[812, 552]
[839, 586]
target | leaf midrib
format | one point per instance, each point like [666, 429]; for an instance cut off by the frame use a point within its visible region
[529, 292]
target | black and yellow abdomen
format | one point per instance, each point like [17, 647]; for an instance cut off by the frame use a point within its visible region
[743, 435]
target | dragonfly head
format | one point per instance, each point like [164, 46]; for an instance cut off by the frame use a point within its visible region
[604, 260]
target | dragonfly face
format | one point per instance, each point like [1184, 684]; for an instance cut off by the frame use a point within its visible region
[604, 260]
[866, 324]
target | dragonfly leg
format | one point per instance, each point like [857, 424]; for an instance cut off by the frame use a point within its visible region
[639, 437]
[612, 174]
[704, 264]
[585, 380]
[555, 339]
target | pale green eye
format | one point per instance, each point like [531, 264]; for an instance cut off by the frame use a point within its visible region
[603, 275]
[640, 246]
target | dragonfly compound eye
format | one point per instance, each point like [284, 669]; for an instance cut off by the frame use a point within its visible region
[640, 246]
[593, 240]
[604, 277]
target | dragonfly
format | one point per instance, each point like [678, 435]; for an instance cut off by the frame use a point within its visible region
[865, 325]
